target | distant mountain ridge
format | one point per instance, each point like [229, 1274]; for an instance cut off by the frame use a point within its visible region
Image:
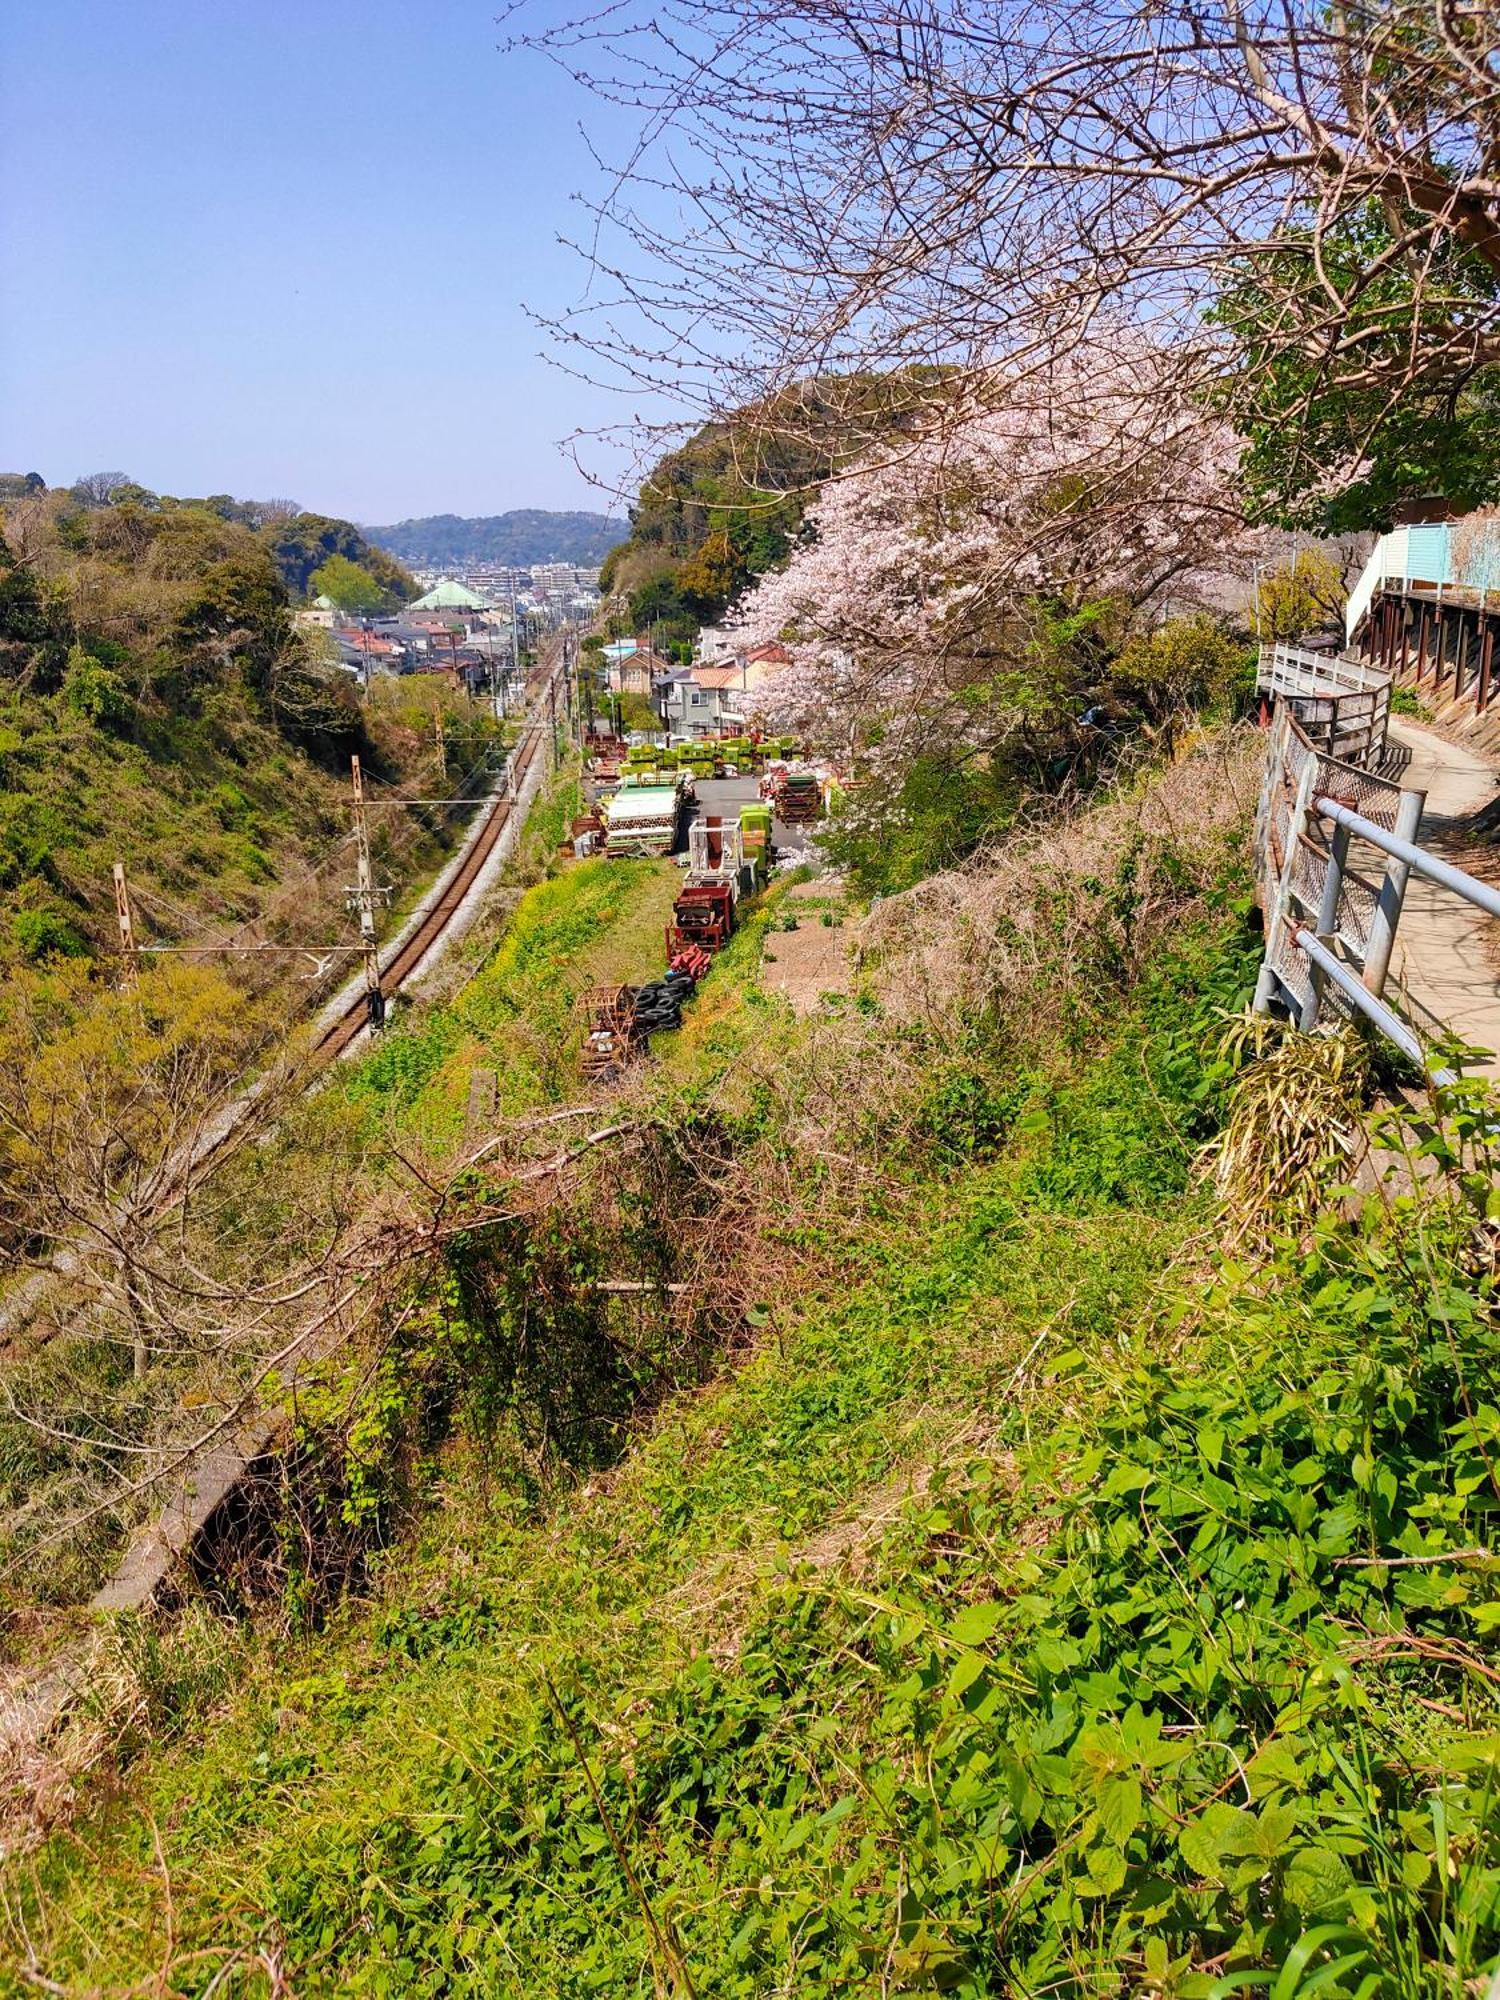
[525, 535]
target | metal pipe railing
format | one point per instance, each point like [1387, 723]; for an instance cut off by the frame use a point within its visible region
[1483, 895]
[1375, 1011]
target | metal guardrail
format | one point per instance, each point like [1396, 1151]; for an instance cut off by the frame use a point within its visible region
[1291, 670]
[1331, 929]
[1343, 705]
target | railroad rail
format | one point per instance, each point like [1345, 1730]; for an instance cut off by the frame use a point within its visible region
[342, 1033]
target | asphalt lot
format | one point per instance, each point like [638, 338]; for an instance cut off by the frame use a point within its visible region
[725, 796]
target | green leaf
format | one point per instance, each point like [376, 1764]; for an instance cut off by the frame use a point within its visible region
[1316, 1882]
[975, 1623]
[966, 1670]
[1219, 1831]
[1119, 1802]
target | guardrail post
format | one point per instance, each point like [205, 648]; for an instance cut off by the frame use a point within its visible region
[1328, 923]
[1392, 896]
[1265, 984]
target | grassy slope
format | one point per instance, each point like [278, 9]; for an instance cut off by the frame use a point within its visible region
[1006, 1622]
[622, 1590]
[593, 923]
[219, 818]
[74, 1394]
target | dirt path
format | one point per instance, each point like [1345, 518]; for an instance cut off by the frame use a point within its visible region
[1446, 951]
[812, 960]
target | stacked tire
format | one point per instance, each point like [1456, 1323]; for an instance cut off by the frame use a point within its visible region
[658, 1005]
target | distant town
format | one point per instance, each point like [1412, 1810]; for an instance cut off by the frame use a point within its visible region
[476, 624]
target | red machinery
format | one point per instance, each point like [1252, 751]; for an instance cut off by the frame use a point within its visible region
[703, 915]
[691, 960]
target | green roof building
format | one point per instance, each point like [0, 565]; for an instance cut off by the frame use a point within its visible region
[449, 596]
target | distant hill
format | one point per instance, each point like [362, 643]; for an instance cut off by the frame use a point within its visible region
[526, 535]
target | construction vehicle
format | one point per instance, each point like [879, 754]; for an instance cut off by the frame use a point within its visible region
[702, 916]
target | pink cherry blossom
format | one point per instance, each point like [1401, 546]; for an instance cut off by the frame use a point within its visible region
[922, 569]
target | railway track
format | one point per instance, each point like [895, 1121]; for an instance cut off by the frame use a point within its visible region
[352, 1022]
[17, 1334]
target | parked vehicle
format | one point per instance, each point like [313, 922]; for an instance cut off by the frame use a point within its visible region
[703, 915]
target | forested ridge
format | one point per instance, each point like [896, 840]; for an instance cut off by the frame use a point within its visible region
[160, 706]
[524, 535]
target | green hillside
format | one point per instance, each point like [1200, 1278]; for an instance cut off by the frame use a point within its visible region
[960, 1575]
[160, 705]
[525, 535]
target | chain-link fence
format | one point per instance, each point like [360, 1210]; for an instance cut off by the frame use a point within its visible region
[1312, 872]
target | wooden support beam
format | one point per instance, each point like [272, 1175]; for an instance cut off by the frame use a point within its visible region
[1486, 649]
[1422, 648]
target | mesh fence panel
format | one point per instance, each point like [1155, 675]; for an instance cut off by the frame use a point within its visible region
[1294, 871]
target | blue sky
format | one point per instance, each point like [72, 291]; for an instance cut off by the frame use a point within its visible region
[280, 247]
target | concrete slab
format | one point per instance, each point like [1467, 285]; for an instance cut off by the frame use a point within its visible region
[1447, 952]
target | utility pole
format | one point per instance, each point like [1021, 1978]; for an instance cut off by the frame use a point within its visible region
[571, 657]
[361, 899]
[437, 730]
[128, 962]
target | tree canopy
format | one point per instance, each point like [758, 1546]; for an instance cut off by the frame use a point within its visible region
[348, 586]
[304, 542]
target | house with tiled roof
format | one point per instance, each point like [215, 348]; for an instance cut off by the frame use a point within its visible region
[632, 667]
[702, 701]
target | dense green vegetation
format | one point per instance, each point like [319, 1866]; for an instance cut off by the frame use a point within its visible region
[525, 535]
[1084, 697]
[159, 704]
[1435, 442]
[1044, 1604]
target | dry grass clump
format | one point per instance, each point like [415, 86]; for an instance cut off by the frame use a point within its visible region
[1293, 1126]
[1023, 928]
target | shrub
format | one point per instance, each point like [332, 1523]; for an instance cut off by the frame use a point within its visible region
[43, 934]
[91, 690]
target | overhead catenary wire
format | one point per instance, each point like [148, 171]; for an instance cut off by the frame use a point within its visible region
[526, 738]
[197, 938]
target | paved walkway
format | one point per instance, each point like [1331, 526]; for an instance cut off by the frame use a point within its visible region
[1447, 952]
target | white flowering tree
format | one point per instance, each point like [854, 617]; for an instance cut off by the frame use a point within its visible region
[972, 586]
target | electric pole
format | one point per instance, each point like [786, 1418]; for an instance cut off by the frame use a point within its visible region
[128, 962]
[437, 730]
[361, 899]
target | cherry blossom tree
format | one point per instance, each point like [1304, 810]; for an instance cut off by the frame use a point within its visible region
[1301, 194]
[972, 585]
